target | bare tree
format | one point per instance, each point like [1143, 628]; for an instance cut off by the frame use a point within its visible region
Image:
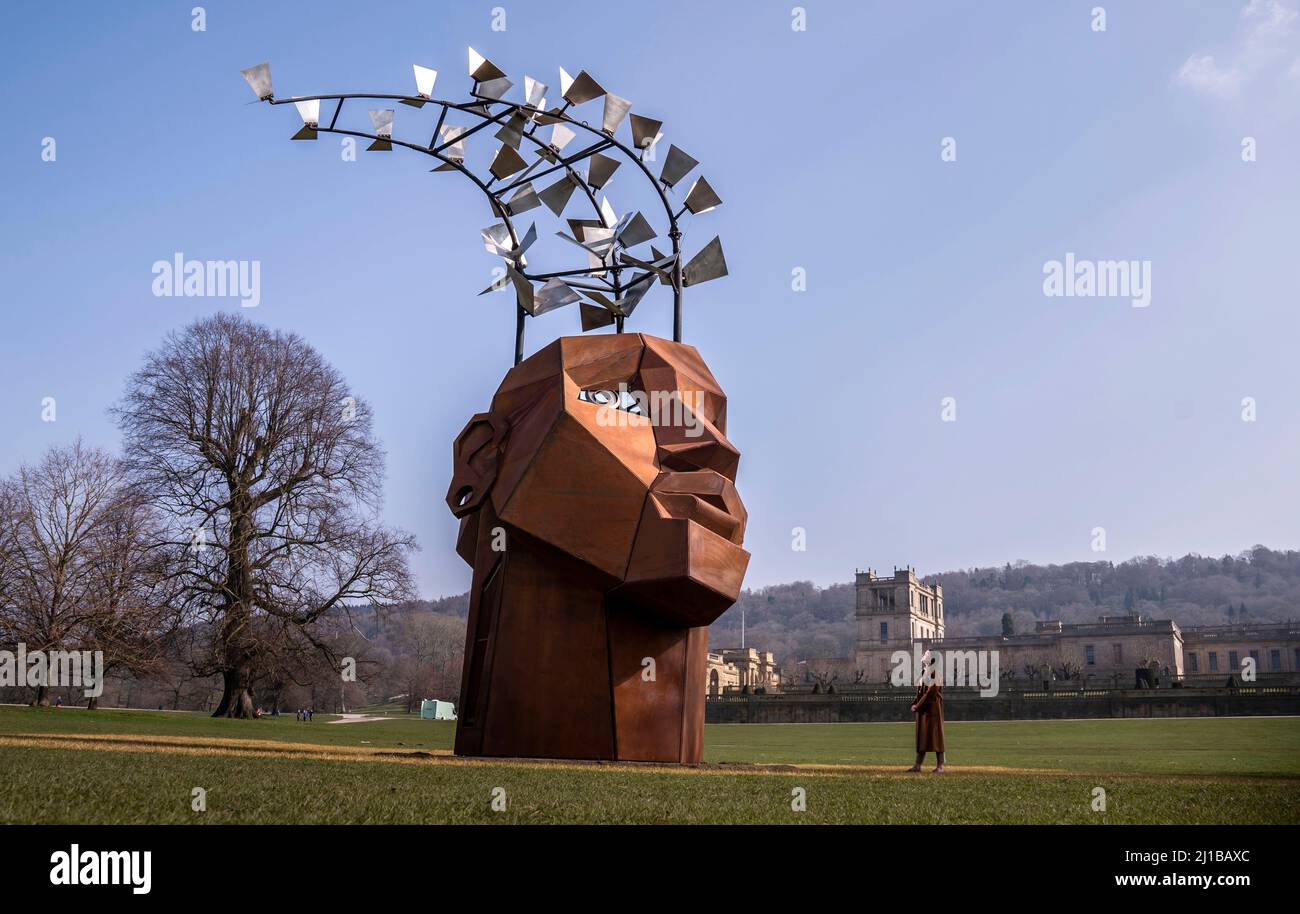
[428, 649]
[134, 587]
[79, 562]
[267, 468]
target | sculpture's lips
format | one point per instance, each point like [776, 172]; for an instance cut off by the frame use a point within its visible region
[704, 496]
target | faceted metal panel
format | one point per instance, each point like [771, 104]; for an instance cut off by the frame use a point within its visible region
[600, 169]
[506, 162]
[259, 80]
[481, 69]
[493, 88]
[561, 136]
[496, 239]
[523, 199]
[449, 133]
[557, 195]
[424, 80]
[636, 231]
[534, 92]
[555, 294]
[607, 214]
[583, 89]
[645, 131]
[310, 111]
[382, 120]
[707, 264]
[701, 197]
[616, 108]
[676, 166]
[594, 317]
[512, 131]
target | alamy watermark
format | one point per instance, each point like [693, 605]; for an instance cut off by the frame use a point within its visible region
[183, 278]
[77, 867]
[1073, 278]
[24, 669]
[624, 407]
[959, 668]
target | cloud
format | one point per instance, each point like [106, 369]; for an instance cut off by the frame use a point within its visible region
[1267, 37]
[1202, 74]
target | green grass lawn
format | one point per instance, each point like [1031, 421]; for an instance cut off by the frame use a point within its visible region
[1202, 770]
[388, 709]
[1194, 745]
[409, 732]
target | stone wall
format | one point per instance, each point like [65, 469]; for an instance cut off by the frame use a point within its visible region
[966, 704]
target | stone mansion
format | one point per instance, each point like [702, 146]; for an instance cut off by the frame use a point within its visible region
[894, 613]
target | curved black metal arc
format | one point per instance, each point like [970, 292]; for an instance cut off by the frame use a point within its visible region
[482, 111]
[458, 166]
[674, 233]
[481, 108]
[477, 109]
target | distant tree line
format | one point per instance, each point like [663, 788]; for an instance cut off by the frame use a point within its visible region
[800, 621]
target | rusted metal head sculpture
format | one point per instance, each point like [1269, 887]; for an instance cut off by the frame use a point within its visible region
[652, 505]
[596, 496]
[598, 507]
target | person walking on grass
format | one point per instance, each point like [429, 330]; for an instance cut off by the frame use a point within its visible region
[928, 708]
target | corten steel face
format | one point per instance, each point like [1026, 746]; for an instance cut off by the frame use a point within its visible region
[600, 541]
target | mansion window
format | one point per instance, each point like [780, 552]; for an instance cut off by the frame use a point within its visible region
[884, 632]
[1275, 660]
[1117, 651]
[1214, 661]
[1191, 662]
[1090, 654]
[1232, 660]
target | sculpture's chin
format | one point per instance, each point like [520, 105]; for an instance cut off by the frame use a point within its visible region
[683, 573]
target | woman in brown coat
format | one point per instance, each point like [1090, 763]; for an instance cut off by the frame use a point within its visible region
[928, 708]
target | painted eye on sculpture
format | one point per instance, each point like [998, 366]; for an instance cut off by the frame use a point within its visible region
[621, 399]
[599, 397]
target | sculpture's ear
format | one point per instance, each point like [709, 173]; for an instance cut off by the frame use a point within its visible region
[475, 457]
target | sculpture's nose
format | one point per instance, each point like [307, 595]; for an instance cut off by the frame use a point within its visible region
[706, 497]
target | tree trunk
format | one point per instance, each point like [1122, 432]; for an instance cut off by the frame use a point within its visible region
[42, 699]
[236, 696]
[93, 704]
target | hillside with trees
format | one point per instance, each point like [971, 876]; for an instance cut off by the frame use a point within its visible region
[800, 621]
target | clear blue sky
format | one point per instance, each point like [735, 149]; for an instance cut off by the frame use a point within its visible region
[924, 277]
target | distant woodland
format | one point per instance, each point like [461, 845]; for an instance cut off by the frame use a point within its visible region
[412, 650]
[800, 621]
